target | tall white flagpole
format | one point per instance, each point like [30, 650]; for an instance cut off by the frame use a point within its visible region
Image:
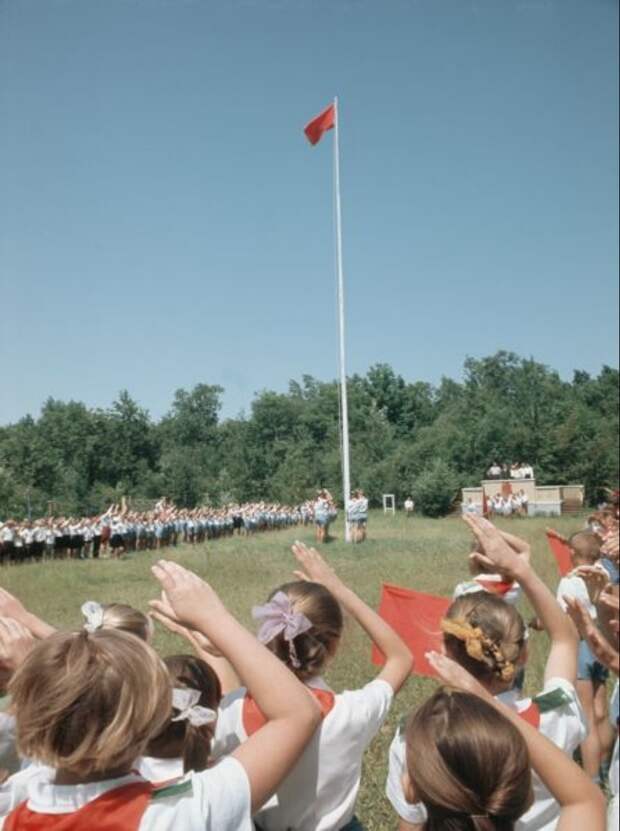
[346, 472]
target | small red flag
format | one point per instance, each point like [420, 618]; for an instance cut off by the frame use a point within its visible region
[561, 552]
[416, 617]
[321, 124]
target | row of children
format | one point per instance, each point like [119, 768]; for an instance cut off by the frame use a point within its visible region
[512, 504]
[120, 530]
[245, 733]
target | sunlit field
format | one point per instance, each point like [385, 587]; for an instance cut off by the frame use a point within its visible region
[429, 555]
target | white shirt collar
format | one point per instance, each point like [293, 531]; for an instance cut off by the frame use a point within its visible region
[45, 797]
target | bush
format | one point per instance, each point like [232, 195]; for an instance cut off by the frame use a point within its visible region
[436, 489]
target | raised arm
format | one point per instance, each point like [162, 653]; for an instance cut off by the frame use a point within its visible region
[582, 804]
[510, 555]
[11, 607]
[398, 658]
[603, 650]
[203, 648]
[292, 714]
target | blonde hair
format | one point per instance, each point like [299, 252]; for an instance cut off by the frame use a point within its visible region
[126, 618]
[314, 647]
[89, 703]
[485, 635]
[468, 764]
[180, 738]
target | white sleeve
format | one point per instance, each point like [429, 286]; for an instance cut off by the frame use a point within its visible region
[228, 728]
[566, 725]
[369, 707]
[414, 814]
[225, 795]
[565, 587]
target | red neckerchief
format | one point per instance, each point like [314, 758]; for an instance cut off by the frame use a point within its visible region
[120, 809]
[253, 719]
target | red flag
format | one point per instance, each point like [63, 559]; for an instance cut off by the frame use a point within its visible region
[321, 124]
[416, 617]
[561, 552]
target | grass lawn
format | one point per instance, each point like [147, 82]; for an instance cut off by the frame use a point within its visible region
[429, 555]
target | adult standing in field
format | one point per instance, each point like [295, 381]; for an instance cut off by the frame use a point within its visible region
[409, 506]
[357, 515]
[322, 513]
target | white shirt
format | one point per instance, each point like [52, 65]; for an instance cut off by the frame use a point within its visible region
[574, 586]
[320, 792]
[159, 770]
[512, 596]
[565, 726]
[218, 799]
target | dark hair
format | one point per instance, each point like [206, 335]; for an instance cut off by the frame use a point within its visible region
[468, 764]
[586, 546]
[180, 738]
[314, 647]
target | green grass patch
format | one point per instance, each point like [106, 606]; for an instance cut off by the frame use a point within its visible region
[425, 554]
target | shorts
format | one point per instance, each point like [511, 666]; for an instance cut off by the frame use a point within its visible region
[588, 668]
[321, 520]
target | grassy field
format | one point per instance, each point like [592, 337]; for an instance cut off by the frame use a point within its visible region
[429, 555]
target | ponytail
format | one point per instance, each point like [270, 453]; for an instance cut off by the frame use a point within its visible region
[184, 736]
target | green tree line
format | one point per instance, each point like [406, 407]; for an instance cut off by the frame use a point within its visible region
[406, 437]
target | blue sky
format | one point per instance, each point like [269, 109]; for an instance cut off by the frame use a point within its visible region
[163, 221]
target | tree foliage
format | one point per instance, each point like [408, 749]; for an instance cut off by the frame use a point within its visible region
[405, 438]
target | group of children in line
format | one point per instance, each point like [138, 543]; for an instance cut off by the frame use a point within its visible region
[244, 733]
[512, 504]
[120, 530]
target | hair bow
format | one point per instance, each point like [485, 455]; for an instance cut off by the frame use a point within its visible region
[186, 701]
[277, 617]
[93, 612]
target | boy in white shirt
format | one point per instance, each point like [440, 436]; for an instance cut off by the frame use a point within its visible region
[583, 584]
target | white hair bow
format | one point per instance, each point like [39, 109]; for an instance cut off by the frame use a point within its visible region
[93, 612]
[186, 701]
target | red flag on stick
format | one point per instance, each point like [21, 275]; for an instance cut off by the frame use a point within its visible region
[561, 552]
[416, 617]
[321, 124]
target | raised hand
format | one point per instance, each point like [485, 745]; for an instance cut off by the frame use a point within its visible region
[579, 615]
[16, 641]
[167, 619]
[603, 650]
[498, 550]
[595, 577]
[10, 606]
[186, 597]
[315, 569]
[454, 675]
[611, 546]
